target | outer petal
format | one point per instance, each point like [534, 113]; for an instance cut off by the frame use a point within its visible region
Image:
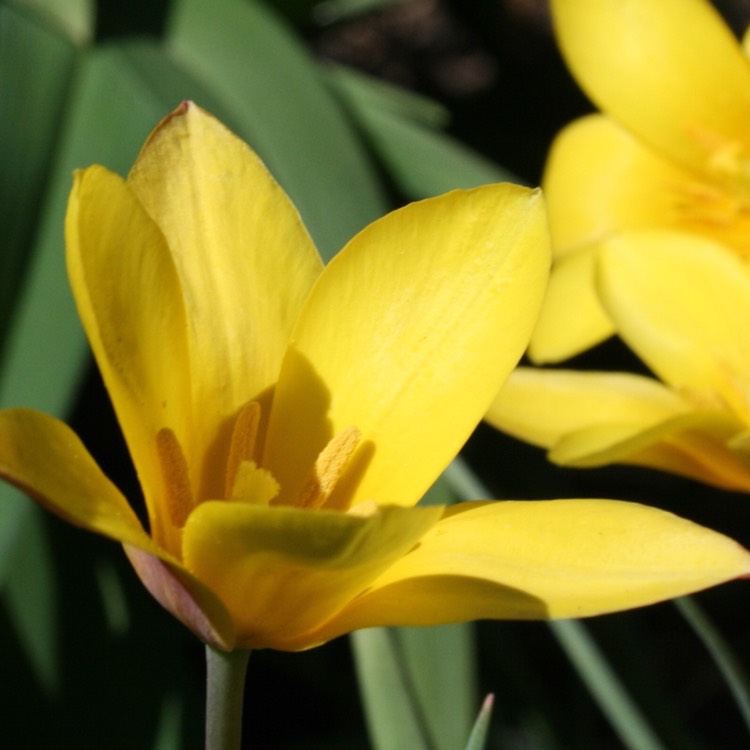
[599, 178]
[129, 300]
[694, 445]
[43, 457]
[543, 406]
[671, 71]
[682, 304]
[245, 262]
[544, 559]
[281, 572]
[408, 335]
[185, 597]
[572, 318]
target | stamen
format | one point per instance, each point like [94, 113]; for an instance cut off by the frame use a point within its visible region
[254, 485]
[328, 468]
[365, 509]
[174, 470]
[242, 446]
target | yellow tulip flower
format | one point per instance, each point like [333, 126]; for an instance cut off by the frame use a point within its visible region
[285, 418]
[682, 305]
[670, 149]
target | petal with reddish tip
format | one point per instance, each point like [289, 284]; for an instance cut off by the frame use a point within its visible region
[245, 262]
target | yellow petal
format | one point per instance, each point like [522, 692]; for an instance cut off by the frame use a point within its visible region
[245, 262]
[129, 300]
[407, 336]
[599, 178]
[544, 559]
[543, 406]
[572, 318]
[670, 70]
[682, 304]
[694, 445]
[281, 572]
[44, 457]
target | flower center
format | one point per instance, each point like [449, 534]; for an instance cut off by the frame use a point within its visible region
[719, 205]
[246, 481]
[716, 211]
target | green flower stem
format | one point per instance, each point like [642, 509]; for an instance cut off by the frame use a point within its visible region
[225, 688]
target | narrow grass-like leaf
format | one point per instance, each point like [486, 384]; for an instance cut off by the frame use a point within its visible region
[441, 664]
[74, 19]
[36, 68]
[725, 660]
[30, 601]
[394, 716]
[478, 736]
[169, 730]
[421, 160]
[605, 687]
[367, 92]
[249, 59]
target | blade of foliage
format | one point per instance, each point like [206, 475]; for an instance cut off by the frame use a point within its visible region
[726, 661]
[604, 686]
[417, 685]
[478, 735]
[36, 68]
[249, 59]
[29, 596]
[394, 716]
[73, 19]
[169, 729]
[421, 160]
[368, 92]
